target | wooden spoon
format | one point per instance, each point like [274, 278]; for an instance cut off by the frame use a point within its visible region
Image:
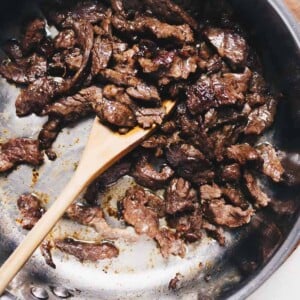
[103, 149]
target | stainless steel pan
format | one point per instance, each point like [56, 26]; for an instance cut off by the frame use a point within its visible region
[209, 271]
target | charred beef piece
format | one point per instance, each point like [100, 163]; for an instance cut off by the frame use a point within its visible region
[115, 113]
[17, 151]
[216, 232]
[229, 45]
[143, 219]
[34, 33]
[147, 117]
[13, 49]
[145, 174]
[145, 93]
[170, 12]
[31, 210]
[260, 198]
[118, 78]
[231, 173]
[24, 70]
[243, 153]
[272, 166]
[85, 251]
[101, 54]
[179, 33]
[169, 244]
[261, 118]
[235, 196]
[49, 133]
[180, 197]
[210, 192]
[227, 215]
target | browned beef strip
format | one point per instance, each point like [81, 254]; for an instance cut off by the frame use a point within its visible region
[30, 209]
[180, 33]
[155, 141]
[119, 78]
[73, 59]
[125, 61]
[235, 196]
[20, 150]
[145, 174]
[85, 251]
[170, 12]
[216, 232]
[258, 84]
[261, 118]
[227, 215]
[34, 33]
[180, 196]
[24, 70]
[243, 153]
[169, 244]
[272, 165]
[210, 192]
[229, 45]
[115, 113]
[144, 92]
[261, 199]
[66, 39]
[45, 249]
[147, 117]
[37, 95]
[101, 54]
[143, 219]
[231, 173]
[49, 132]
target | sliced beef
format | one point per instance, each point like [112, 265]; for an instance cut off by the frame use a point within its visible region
[261, 199]
[188, 225]
[227, 215]
[101, 54]
[261, 118]
[13, 49]
[210, 192]
[30, 209]
[169, 244]
[20, 150]
[147, 117]
[118, 78]
[85, 251]
[24, 70]
[125, 61]
[180, 196]
[179, 33]
[37, 95]
[34, 33]
[143, 219]
[93, 216]
[231, 173]
[212, 92]
[145, 174]
[216, 232]
[145, 93]
[115, 113]
[235, 196]
[272, 165]
[65, 39]
[243, 153]
[73, 59]
[229, 45]
[49, 132]
[168, 11]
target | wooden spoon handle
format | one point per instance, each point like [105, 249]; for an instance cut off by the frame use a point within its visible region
[33, 239]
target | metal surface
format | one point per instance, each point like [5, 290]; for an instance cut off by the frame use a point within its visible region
[140, 272]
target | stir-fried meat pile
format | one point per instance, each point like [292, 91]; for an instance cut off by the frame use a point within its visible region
[119, 60]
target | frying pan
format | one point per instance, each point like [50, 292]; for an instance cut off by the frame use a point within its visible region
[209, 271]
